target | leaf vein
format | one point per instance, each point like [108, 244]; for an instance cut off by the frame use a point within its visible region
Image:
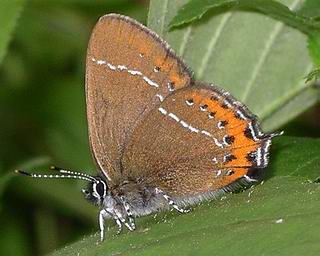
[267, 48]
[212, 44]
[164, 10]
[185, 41]
[306, 164]
[284, 99]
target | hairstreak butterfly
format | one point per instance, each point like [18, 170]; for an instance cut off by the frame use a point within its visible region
[160, 139]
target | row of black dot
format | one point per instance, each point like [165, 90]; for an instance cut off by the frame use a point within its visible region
[171, 85]
[251, 157]
[204, 107]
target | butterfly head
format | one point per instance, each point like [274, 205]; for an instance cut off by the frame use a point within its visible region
[97, 191]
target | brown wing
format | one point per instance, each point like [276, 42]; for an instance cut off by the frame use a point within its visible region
[129, 71]
[199, 139]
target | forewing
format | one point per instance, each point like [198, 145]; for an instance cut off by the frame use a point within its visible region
[130, 70]
[200, 139]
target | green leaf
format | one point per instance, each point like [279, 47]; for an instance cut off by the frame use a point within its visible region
[313, 75]
[293, 156]
[314, 47]
[265, 220]
[310, 8]
[9, 13]
[248, 54]
[294, 105]
[195, 9]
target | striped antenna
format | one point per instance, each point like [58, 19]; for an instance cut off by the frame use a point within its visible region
[64, 175]
[275, 134]
[62, 170]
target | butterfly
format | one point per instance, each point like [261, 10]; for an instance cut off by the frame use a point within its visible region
[160, 140]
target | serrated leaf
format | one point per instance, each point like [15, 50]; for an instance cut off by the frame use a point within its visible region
[310, 8]
[195, 9]
[314, 75]
[9, 13]
[248, 54]
[314, 47]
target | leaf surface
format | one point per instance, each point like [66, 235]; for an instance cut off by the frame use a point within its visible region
[268, 219]
[247, 53]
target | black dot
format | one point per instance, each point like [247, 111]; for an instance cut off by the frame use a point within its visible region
[212, 114]
[223, 105]
[229, 158]
[157, 68]
[171, 86]
[229, 139]
[254, 173]
[189, 101]
[213, 97]
[223, 123]
[251, 157]
[230, 172]
[204, 107]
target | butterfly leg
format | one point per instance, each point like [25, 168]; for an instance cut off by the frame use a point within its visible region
[129, 213]
[119, 224]
[102, 216]
[170, 201]
[120, 217]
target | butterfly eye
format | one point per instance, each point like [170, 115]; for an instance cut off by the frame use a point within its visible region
[100, 189]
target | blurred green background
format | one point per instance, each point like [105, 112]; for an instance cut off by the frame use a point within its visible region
[43, 122]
